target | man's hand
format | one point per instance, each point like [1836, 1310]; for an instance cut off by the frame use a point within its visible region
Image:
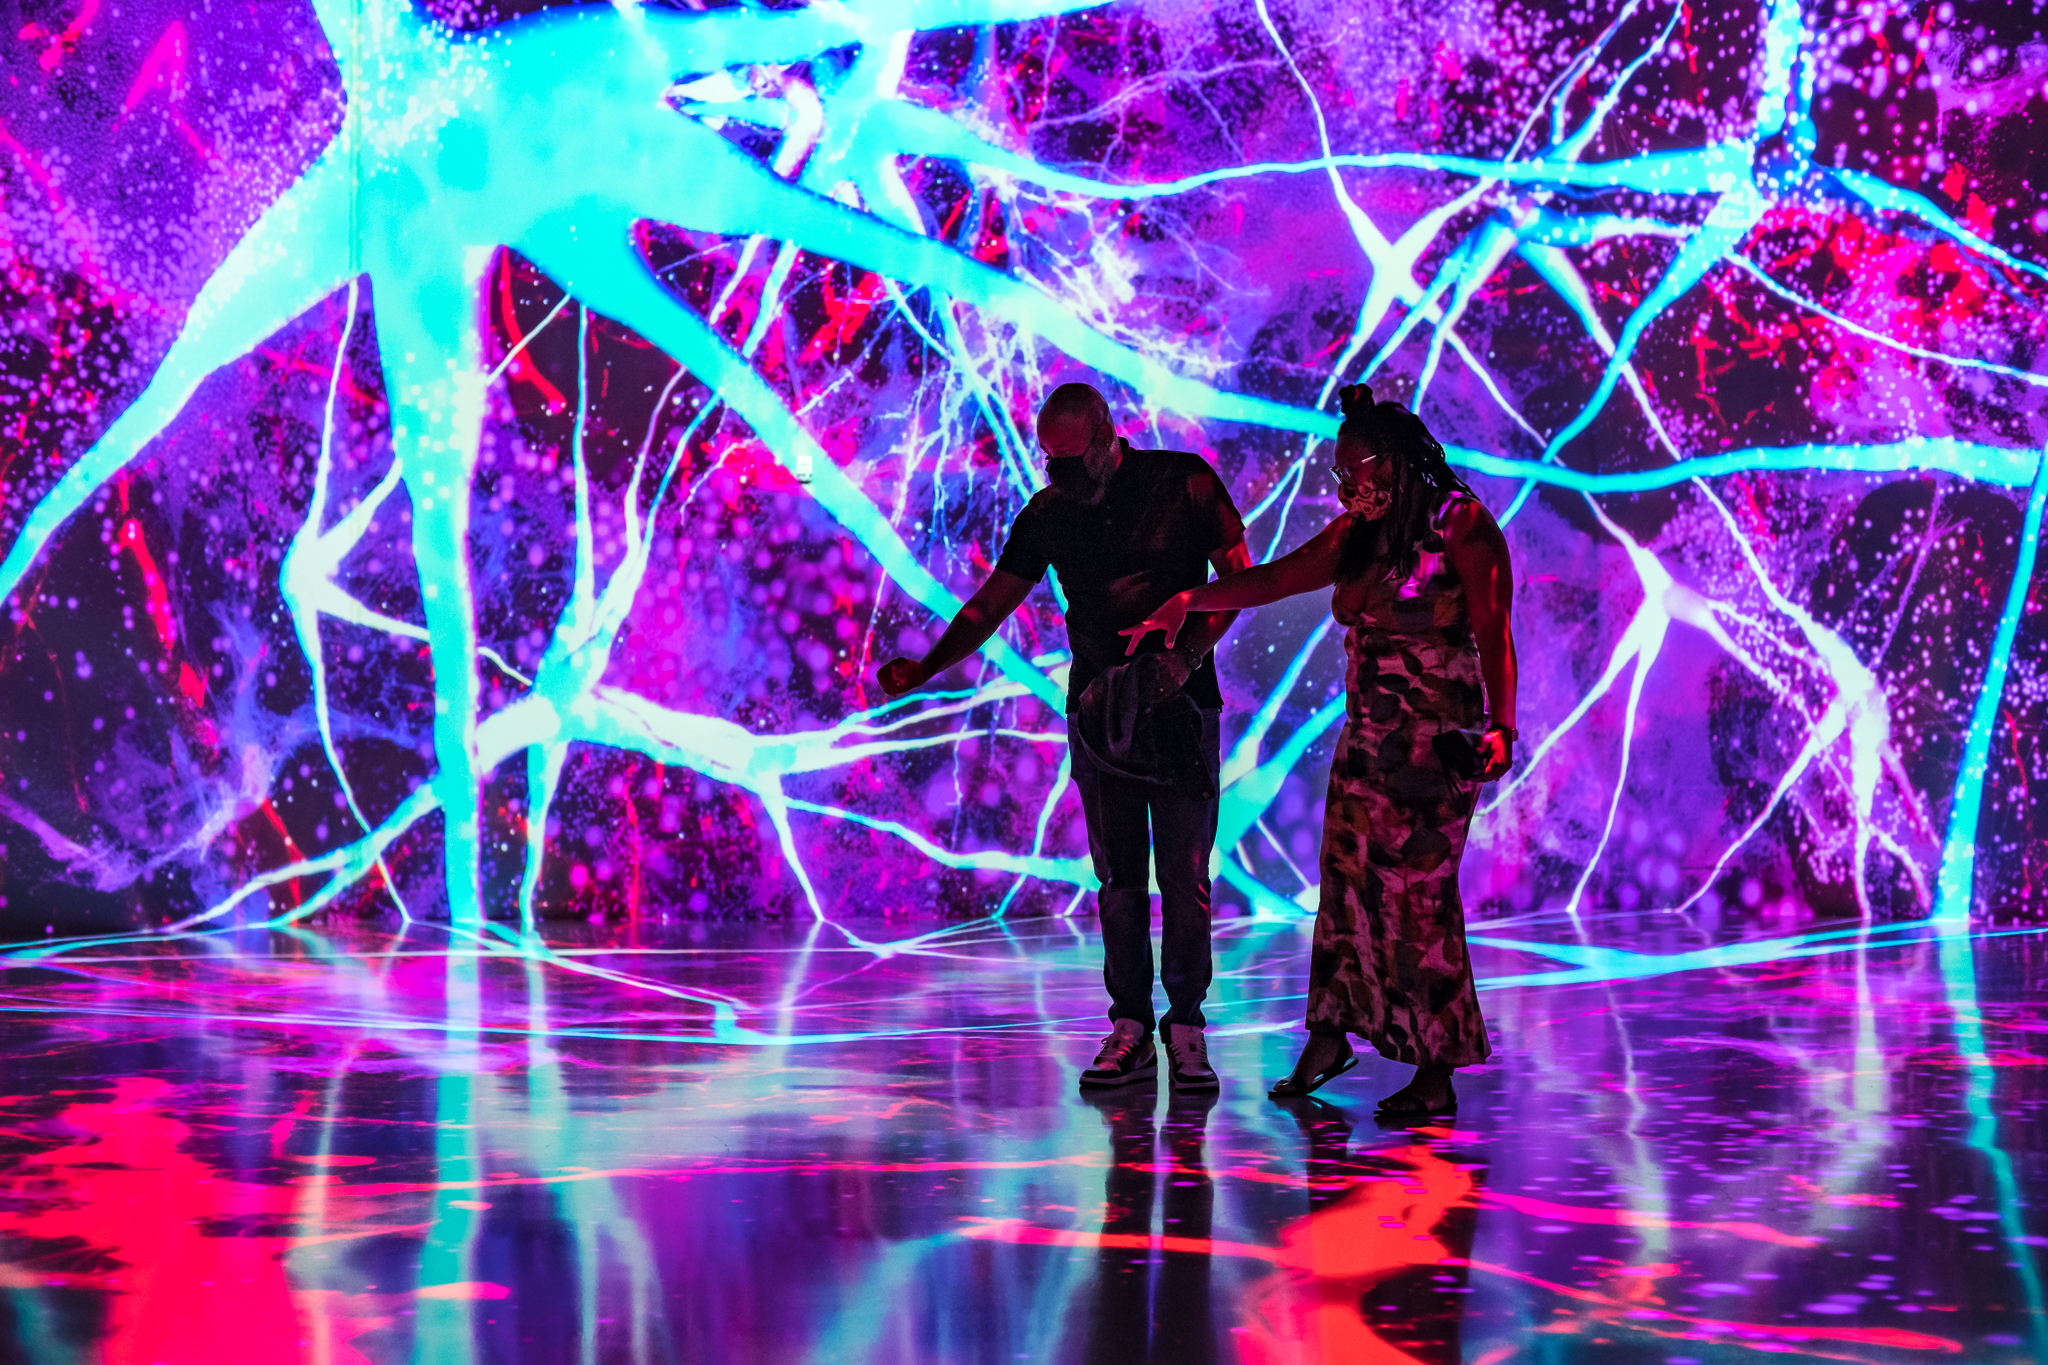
[901, 675]
[1496, 755]
[1172, 614]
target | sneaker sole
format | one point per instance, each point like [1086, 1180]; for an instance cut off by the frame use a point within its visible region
[1143, 1073]
[1180, 1082]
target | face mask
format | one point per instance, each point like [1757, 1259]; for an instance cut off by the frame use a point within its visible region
[1368, 500]
[1069, 474]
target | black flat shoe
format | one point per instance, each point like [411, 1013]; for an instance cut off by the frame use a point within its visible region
[1288, 1088]
[1398, 1112]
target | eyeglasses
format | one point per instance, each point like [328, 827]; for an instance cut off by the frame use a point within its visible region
[1347, 476]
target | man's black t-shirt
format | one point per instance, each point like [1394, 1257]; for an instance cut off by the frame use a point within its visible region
[1165, 513]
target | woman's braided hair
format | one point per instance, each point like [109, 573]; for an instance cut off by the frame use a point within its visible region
[1422, 480]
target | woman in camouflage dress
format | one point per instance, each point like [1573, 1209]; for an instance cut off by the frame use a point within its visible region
[1422, 585]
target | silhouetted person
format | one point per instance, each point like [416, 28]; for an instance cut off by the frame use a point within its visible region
[1125, 530]
[1422, 585]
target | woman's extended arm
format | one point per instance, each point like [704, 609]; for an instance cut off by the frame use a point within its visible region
[1479, 554]
[1312, 566]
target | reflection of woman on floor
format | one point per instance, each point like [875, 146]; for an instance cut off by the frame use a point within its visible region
[1422, 584]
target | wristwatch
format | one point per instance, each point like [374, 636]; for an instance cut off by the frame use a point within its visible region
[1512, 734]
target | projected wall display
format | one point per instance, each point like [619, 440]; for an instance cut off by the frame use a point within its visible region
[468, 459]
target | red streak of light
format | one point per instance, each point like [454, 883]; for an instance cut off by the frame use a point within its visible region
[993, 246]
[281, 1131]
[1881, 1201]
[2019, 769]
[521, 366]
[62, 42]
[289, 847]
[1448, 63]
[633, 842]
[164, 69]
[153, 584]
[844, 316]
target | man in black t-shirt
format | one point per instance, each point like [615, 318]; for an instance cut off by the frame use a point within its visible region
[1124, 529]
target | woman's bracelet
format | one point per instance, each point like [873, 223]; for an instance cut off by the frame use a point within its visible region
[1494, 728]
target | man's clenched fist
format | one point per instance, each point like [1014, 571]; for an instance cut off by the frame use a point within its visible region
[900, 675]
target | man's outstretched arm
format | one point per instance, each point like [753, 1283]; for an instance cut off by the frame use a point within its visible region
[977, 619]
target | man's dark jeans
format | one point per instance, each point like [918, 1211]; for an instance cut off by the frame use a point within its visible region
[1182, 831]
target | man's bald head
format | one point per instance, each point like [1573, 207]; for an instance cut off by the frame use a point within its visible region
[1069, 418]
[1074, 400]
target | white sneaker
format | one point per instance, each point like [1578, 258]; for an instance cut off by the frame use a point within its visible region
[1187, 1058]
[1127, 1055]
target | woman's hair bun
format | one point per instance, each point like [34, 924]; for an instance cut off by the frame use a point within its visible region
[1355, 400]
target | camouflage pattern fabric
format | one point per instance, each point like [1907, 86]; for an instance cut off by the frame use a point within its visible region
[1390, 963]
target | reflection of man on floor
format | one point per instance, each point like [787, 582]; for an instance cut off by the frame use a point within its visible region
[1126, 529]
[1151, 1301]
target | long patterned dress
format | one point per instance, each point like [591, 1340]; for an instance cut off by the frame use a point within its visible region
[1389, 962]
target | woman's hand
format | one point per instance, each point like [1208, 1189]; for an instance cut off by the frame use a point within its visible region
[1169, 618]
[901, 675]
[1496, 755]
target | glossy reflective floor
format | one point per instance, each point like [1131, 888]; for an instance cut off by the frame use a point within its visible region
[784, 1144]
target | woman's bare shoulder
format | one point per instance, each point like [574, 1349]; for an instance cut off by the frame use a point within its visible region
[1464, 516]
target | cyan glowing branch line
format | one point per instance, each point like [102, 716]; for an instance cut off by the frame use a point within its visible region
[1728, 223]
[1959, 855]
[1246, 799]
[1244, 755]
[2003, 466]
[1480, 255]
[1053, 797]
[306, 582]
